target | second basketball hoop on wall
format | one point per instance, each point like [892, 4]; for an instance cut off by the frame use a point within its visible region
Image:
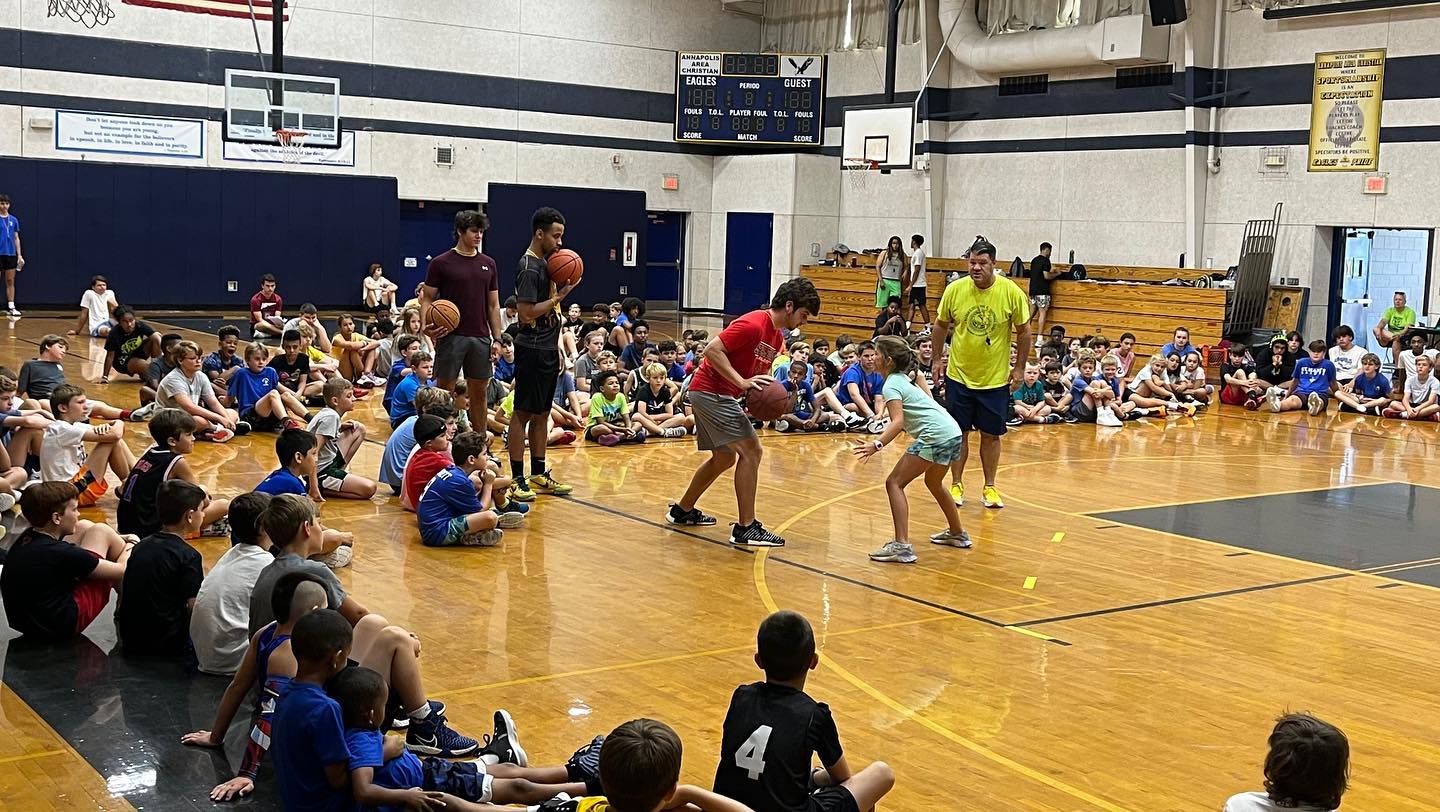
[262, 107]
[878, 137]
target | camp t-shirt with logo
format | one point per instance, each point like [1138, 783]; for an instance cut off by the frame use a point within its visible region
[1399, 319]
[751, 343]
[982, 322]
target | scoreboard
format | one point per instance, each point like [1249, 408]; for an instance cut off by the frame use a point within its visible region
[750, 98]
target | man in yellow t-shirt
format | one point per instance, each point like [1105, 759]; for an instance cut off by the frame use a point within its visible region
[984, 309]
[1394, 325]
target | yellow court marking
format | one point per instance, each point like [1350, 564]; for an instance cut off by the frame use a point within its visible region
[935, 727]
[689, 655]
[1030, 582]
[30, 756]
[1057, 537]
[1029, 632]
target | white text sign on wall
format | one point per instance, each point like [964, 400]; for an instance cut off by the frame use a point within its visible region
[343, 155]
[79, 131]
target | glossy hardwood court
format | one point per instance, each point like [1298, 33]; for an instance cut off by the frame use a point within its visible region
[1099, 648]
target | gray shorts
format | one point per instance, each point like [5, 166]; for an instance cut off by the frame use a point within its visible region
[456, 353]
[719, 420]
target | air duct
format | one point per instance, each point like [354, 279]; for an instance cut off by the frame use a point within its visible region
[1036, 51]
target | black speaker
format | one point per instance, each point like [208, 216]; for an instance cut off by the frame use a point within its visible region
[1167, 12]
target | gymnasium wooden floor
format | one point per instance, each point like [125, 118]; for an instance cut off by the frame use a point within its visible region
[1070, 661]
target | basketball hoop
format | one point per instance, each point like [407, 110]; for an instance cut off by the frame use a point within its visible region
[860, 171]
[88, 13]
[292, 145]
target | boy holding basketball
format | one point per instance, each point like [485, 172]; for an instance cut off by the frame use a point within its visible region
[537, 356]
[469, 280]
[735, 362]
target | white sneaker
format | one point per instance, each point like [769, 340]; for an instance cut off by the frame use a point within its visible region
[945, 537]
[14, 311]
[1107, 417]
[341, 557]
[1273, 397]
[1316, 403]
[677, 431]
[780, 425]
[145, 412]
[876, 425]
[511, 519]
[7, 501]
[894, 552]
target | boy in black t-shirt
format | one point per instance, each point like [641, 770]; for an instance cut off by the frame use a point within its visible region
[292, 365]
[773, 727]
[163, 576]
[53, 589]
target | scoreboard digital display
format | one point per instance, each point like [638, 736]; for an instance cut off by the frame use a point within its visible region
[750, 98]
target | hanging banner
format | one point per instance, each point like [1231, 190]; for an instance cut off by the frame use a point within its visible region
[80, 131]
[343, 155]
[1345, 111]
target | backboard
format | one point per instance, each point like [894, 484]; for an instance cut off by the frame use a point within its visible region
[257, 103]
[884, 134]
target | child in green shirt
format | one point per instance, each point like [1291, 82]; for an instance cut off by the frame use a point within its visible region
[610, 413]
[1027, 402]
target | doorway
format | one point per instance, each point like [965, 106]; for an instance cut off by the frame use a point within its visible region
[1370, 265]
[665, 260]
[748, 240]
[427, 229]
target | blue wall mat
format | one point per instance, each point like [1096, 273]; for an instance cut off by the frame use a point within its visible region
[595, 222]
[172, 236]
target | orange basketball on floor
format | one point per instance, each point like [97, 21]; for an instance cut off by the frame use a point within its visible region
[768, 403]
[444, 313]
[566, 267]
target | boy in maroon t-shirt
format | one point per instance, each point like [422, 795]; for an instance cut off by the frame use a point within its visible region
[266, 318]
[468, 278]
[735, 362]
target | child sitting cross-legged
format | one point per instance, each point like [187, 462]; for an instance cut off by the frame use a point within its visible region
[610, 413]
[1241, 384]
[1193, 386]
[399, 369]
[53, 588]
[1368, 392]
[385, 774]
[1027, 402]
[402, 401]
[163, 577]
[297, 450]
[62, 447]
[174, 435]
[449, 511]
[1097, 398]
[1153, 391]
[432, 455]
[339, 440]
[355, 353]
[654, 404]
[1057, 391]
[256, 392]
[777, 718]
[222, 365]
[1421, 399]
[1307, 768]
[801, 411]
[220, 621]
[186, 387]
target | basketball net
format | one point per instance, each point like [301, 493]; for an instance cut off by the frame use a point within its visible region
[292, 145]
[88, 13]
[861, 172]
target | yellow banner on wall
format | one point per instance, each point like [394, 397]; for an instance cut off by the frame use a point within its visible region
[1345, 111]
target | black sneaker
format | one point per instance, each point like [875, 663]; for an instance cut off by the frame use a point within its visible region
[1069, 418]
[584, 767]
[241, 428]
[504, 746]
[755, 535]
[692, 517]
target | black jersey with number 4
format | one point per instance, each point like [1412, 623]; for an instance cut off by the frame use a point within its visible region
[771, 732]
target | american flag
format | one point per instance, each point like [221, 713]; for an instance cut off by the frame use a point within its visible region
[224, 8]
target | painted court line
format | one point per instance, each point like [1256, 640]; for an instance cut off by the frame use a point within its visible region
[32, 756]
[1185, 599]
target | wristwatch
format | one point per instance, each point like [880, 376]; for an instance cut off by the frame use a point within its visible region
[879, 445]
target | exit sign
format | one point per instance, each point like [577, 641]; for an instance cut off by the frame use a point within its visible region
[1376, 184]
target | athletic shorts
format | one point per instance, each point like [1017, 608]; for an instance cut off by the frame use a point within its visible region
[536, 371]
[1039, 300]
[259, 422]
[82, 481]
[456, 354]
[720, 420]
[983, 409]
[1082, 413]
[884, 290]
[831, 799]
[463, 779]
[455, 531]
[1234, 395]
[939, 453]
[90, 597]
[332, 478]
[9, 262]
[917, 295]
[104, 325]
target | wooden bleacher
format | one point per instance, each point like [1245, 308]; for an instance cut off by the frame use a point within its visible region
[1097, 305]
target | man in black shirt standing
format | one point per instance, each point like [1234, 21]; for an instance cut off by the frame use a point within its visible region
[1040, 278]
[537, 356]
[773, 729]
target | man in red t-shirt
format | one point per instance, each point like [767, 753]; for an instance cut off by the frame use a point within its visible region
[266, 318]
[468, 278]
[735, 362]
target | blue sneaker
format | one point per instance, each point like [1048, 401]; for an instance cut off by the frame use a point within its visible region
[513, 506]
[432, 736]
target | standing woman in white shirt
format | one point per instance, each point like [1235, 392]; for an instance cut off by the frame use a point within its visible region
[919, 307]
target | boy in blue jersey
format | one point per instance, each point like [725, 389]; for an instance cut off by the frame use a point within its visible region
[297, 450]
[1310, 385]
[221, 365]
[400, 367]
[800, 412]
[1369, 391]
[859, 386]
[255, 392]
[402, 401]
[312, 763]
[449, 511]
[386, 776]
